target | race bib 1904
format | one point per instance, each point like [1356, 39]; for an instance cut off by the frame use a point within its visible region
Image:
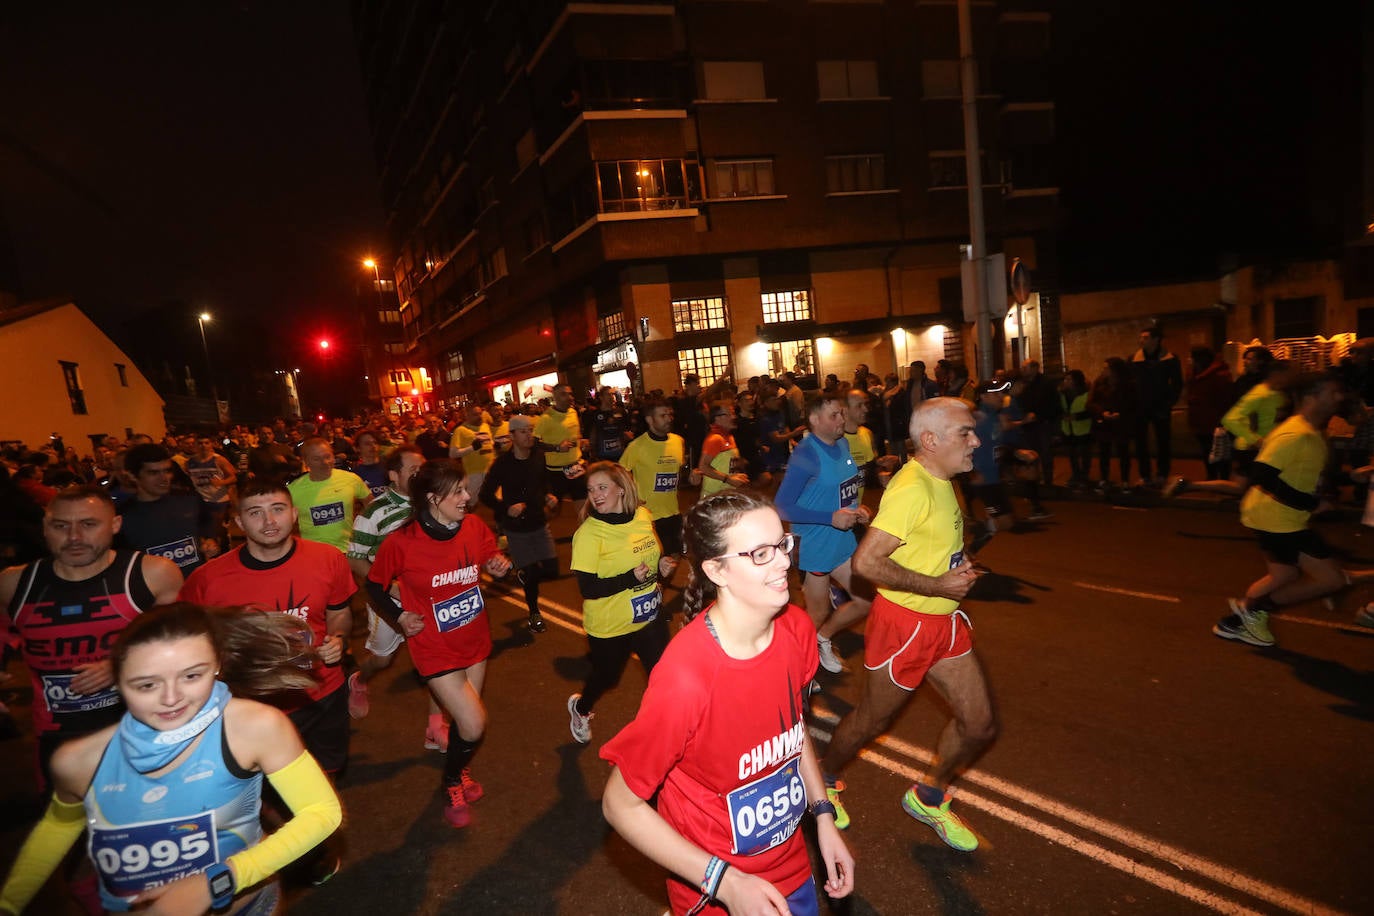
[136, 857]
[645, 607]
[767, 811]
[458, 611]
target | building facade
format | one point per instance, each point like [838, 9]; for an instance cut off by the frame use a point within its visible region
[622, 193]
[64, 376]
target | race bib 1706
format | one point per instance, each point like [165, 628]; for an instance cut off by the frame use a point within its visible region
[136, 857]
[458, 611]
[767, 811]
[849, 492]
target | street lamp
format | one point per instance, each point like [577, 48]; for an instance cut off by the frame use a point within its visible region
[201, 319]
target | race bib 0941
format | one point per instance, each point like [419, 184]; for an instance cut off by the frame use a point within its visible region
[327, 514]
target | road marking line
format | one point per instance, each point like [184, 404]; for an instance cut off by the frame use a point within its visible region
[1173, 855]
[1121, 863]
[1126, 591]
[554, 619]
[1329, 624]
[1129, 509]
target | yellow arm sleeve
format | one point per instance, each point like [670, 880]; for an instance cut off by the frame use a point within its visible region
[42, 852]
[315, 815]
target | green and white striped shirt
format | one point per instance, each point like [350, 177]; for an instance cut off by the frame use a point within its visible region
[383, 515]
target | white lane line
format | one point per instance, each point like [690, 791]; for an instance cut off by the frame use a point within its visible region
[1160, 879]
[1329, 624]
[555, 619]
[1126, 591]
[1129, 509]
[1125, 836]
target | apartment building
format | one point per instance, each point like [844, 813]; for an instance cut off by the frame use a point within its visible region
[621, 193]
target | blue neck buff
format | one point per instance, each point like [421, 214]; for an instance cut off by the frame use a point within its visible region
[148, 749]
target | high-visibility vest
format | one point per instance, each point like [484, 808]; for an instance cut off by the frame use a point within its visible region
[1074, 419]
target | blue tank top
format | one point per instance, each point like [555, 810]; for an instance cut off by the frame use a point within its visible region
[820, 480]
[145, 831]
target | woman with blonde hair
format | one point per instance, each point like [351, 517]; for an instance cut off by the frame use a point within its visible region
[618, 561]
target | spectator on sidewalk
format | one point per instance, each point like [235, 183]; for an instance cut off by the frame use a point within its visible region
[1112, 405]
[1209, 391]
[1158, 379]
[1039, 402]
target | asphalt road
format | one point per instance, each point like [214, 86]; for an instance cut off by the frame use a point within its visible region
[1144, 766]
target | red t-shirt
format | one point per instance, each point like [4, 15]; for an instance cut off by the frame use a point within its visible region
[310, 580]
[439, 582]
[730, 771]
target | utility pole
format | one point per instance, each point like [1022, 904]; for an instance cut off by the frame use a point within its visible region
[973, 169]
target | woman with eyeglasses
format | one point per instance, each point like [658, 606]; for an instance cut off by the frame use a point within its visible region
[169, 797]
[618, 561]
[721, 732]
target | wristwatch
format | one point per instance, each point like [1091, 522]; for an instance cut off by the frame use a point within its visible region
[824, 806]
[221, 885]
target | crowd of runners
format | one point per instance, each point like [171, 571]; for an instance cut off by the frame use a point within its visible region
[132, 594]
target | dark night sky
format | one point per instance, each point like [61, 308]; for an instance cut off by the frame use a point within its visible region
[217, 153]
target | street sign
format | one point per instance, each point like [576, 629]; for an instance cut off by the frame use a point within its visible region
[1020, 282]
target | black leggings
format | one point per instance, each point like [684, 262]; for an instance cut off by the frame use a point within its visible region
[531, 576]
[609, 656]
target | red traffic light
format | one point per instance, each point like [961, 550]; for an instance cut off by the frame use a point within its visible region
[324, 343]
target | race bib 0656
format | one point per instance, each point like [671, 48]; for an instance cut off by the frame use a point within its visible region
[767, 811]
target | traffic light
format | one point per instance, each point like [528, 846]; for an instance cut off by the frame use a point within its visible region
[324, 344]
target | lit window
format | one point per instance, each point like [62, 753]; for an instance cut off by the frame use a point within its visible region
[645, 184]
[707, 363]
[610, 327]
[854, 173]
[847, 79]
[700, 314]
[798, 356]
[743, 177]
[452, 368]
[794, 305]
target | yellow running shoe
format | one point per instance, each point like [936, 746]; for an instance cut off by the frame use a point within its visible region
[945, 822]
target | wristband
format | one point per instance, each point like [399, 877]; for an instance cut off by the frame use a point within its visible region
[221, 881]
[824, 806]
[710, 883]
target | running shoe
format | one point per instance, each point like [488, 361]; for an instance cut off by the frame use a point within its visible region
[1243, 625]
[829, 660]
[456, 811]
[472, 789]
[838, 596]
[537, 624]
[324, 868]
[944, 821]
[358, 704]
[1040, 514]
[833, 788]
[436, 738]
[1176, 486]
[1365, 617]
[578, 724]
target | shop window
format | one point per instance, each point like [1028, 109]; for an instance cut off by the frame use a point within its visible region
[794, 305]
[707, 363]
[743, 177]
[798, 356]
[854, 173]
[75, 394]
[700, 314]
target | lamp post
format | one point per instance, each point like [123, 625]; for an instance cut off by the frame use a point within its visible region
[389, 359]
[201, 319]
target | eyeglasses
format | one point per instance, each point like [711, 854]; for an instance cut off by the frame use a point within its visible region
[763, 555]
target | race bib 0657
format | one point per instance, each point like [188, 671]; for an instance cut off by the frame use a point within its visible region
[458, 611]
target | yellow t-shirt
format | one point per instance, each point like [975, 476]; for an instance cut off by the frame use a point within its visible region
[1298, 450]
[923, 512]
[552, 428]
[725, 454]
[477, 461]
[325, 507]
[608, 550]
[656, 466]
[861, 450]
